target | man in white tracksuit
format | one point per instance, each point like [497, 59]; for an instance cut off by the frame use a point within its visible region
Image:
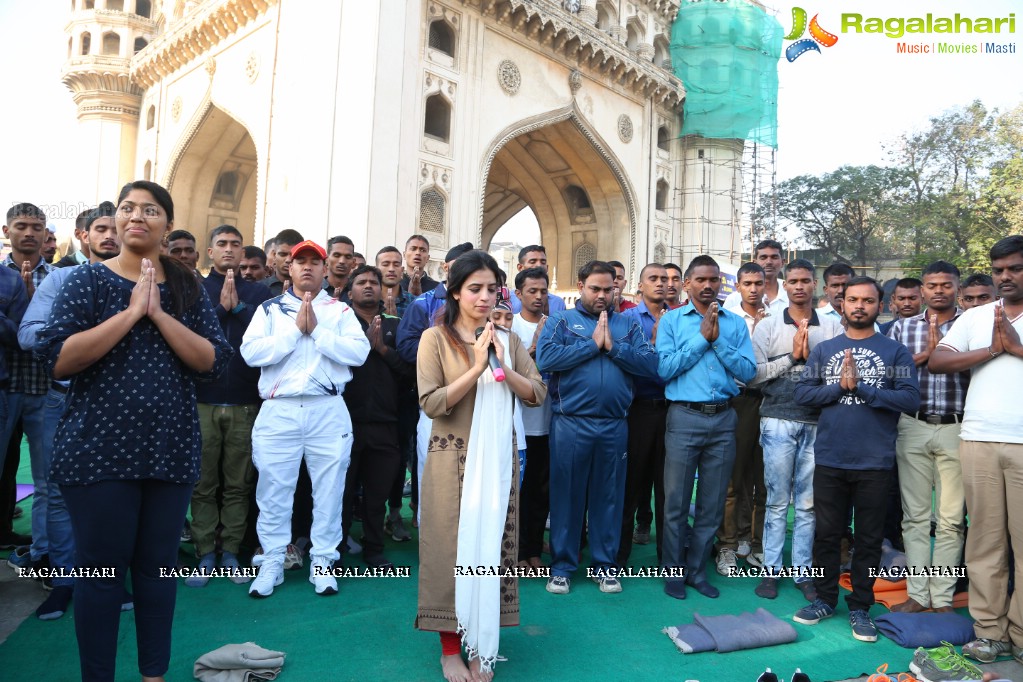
[305, 342]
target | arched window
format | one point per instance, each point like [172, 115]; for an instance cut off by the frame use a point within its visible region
[86, 43]
[437, 120]
[70, 47]
[662, 54]
[442, 37]
[226, 187]
[579, 207]
[116, 5]
[147, 171]
[90, 4]
[605, 17]
[663, 138]
[431, 211]
[140, 44]
[661, 202]
[584, 253]
[150, 117]
[634, 37]
[143, 8]
[111, 44]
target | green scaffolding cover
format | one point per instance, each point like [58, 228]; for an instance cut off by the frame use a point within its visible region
[726, 54]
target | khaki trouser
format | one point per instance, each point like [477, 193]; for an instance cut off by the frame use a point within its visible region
[929, 454]
[993, 481]
[226, 451]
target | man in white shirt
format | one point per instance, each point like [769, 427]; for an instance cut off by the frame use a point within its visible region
[306, 343]
[769, 255]
[835, 277]
[986, 341]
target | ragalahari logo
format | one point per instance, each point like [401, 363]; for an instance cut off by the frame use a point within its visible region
[817, 35]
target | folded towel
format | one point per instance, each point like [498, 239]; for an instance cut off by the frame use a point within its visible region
[731, 633]
[239, 663]
[925, 629]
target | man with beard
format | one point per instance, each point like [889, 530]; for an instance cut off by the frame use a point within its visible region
[340, 263]
[100, 241]
[928, 448]
[769, 255]
[252, 267]
[702, 352]
[986, 341]
[647, 415]
[372, 398]
[417, 255]
[396, 300]
[593, 356]
[861, 381]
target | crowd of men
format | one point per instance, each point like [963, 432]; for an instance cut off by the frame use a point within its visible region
[763, 401]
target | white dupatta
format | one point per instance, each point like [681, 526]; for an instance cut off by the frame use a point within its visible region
[484, 508]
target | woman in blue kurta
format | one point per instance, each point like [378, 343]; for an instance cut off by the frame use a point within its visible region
[133, 334]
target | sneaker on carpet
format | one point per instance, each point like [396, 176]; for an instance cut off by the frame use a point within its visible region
[767, 676]
[755, 559]
[744, 549]
[1017, 653]
[987, 650]
[399, 533]
[863, 627]
[814, 613]
[608, 584]
[559, 584]
[808, 589]
[292, 558]
[406, 490]
[767, 589]
[799, 676]
[726, 562]
[230, 563]
[641, 536]
[271, 574]
[941, 664]
[56, 603]
[207, 564]
[321, 577]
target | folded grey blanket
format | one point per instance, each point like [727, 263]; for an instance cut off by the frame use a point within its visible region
[247, 662]
[731, 633]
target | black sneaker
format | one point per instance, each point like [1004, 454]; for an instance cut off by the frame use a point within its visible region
[863, 627]
[767, 676]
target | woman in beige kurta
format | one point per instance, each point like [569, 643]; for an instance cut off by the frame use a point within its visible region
[447, 377]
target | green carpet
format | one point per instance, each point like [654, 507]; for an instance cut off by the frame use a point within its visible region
[366, 632]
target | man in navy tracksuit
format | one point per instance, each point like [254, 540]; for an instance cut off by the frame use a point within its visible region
[592, 355]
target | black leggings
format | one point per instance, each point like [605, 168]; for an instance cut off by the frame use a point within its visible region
[122, 525]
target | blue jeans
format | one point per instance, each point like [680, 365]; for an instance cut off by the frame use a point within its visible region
[58, 522]
[29, 409]
[695, 441]
[788, 473]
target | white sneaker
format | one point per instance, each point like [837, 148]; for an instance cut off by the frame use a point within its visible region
[744, 549]
[755, 559]
[320, 575]
[558, 584]
[271, 574]
[726, 562]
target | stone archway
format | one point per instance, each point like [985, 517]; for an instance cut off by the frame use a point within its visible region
[213, 178]
[557, 166]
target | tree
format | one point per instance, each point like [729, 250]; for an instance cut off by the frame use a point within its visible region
[850, 214]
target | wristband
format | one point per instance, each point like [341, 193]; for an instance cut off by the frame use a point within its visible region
[992, 353]
[238, 308]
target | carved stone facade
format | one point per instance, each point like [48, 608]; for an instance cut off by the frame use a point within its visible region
[444, 116]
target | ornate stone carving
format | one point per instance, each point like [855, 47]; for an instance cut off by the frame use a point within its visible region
[625, 129]
[176, 108]
[509, 76]
[575, 81]
[211, 67]
[252, 67]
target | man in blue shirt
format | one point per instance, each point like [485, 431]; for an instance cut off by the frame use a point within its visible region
[647, 418]
[593, 355]
[702, 351]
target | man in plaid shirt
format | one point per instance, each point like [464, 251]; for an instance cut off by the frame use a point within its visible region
[26, 395]
[927, 449]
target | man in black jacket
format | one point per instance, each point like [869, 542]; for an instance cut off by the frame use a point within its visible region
[372, 398]
[227, 411]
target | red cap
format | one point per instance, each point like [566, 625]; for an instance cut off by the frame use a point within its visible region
[308, 245]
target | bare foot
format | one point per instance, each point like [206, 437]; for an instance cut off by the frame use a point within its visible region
[454, 669]
[478, 674]
[943, 609]
[909, 606]
[535, 562]
[523, 563]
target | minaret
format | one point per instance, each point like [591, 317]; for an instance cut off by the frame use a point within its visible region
[104, 35]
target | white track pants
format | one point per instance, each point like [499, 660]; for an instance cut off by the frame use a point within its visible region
[286, 430]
